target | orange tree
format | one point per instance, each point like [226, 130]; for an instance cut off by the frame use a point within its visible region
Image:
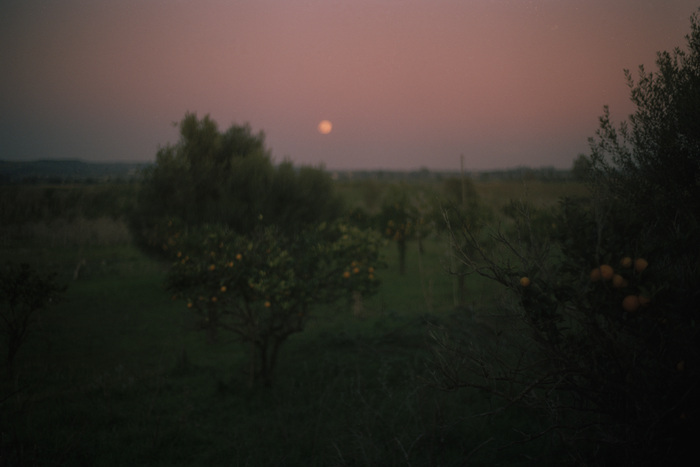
[264, 286]
[24, 292]
[607, 348]
[397, 220]
[255, 246]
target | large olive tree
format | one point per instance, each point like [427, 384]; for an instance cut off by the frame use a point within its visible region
[227, 178]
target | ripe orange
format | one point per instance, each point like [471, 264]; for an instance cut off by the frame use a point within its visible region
[640, 264]
[606, 272]
[626, 262]
[268, 304]
[223, 288]
[618, 281]
[346, 274]
[356, 270]
[630, 303]
[524, 281]
[595, 274]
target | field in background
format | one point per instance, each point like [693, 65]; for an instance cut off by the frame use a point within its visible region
[119, 374]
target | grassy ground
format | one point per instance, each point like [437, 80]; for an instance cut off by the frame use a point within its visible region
[118, 374]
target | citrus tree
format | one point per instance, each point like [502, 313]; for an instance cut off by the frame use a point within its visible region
[23, 294]
[264, 287]
[606, 347]
[255, 247]
[397, 220]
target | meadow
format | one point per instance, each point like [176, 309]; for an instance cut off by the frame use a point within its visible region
[119, 374]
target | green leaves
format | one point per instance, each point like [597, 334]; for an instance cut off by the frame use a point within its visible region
[23, 292]
[262, 286]
[228, 178]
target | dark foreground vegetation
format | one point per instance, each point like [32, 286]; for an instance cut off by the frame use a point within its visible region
[226, 310]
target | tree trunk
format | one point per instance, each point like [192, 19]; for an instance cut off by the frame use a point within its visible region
[402, 256]
[357, 306]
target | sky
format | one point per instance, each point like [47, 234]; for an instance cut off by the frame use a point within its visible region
[407, 84]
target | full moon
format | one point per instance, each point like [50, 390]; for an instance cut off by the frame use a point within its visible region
[325, 127]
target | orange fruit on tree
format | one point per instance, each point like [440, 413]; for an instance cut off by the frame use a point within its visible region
[595, 274]
[618, 281]
[640, 264]
[626, 262]
[630, 303]
[524, 281]
[606, 272]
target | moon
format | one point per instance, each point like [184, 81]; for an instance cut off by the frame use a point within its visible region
[325, 127]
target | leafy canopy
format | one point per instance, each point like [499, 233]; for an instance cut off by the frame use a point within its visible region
[228, 178]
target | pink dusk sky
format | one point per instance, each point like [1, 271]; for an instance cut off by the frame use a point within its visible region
[406, 83]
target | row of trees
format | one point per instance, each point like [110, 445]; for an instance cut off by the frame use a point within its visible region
[256, 247]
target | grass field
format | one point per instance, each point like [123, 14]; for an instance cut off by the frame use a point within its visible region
[118, 374]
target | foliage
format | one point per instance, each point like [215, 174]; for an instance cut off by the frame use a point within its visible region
[118, 365]
[460, 199]
[607, 296]
[251, 257]
[20, 204]
[650, 165]
[24, 293]
[263, 286]
[581, 168]
[227, 178]
[398, 219]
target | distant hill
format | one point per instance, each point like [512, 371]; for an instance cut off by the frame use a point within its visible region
[77, 171]
[67, 171]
